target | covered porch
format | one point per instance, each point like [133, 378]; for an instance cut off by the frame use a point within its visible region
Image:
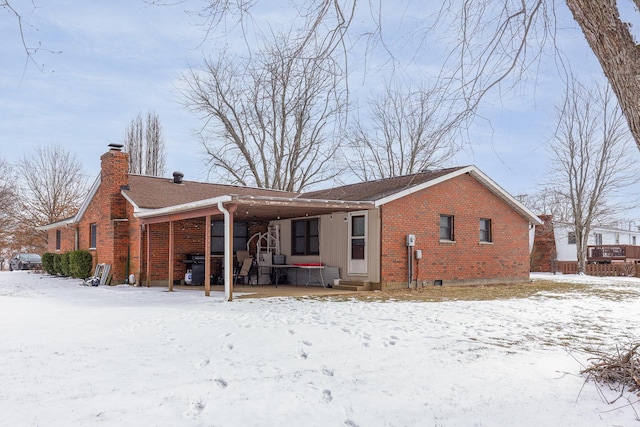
[229, 209]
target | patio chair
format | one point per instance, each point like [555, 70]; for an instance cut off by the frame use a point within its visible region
[245, 270]
[240, 257]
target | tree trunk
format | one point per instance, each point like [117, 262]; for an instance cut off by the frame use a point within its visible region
[619, 56]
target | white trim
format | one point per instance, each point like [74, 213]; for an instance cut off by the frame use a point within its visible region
[136, 208]
[85, 205]
[478, 175]
[199, 204]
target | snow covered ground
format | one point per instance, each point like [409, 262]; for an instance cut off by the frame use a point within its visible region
[127, 356]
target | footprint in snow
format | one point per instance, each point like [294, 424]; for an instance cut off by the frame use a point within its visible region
[202, 363]
[305, 342]
[328, 372]
[303, 354]
[230, 346]
[292, 332]
[221, 383]
[194, 409]
[326, 396]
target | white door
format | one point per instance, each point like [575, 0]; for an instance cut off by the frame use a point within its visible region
[357, 243]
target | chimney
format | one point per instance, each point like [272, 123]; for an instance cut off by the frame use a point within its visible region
[113, 175]
[177, 177]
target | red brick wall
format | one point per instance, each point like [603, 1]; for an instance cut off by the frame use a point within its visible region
[465, 261]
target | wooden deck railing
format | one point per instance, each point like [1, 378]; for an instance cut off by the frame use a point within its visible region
[599, 253]
[602, 270]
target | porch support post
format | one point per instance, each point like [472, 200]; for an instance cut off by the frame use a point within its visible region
[207, 256]
[148, 227]
[228, 249]
[170, 256]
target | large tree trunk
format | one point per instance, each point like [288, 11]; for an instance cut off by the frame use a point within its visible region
[616, 50]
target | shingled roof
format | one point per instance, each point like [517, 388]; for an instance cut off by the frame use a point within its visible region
[378, 189]
[148, 192]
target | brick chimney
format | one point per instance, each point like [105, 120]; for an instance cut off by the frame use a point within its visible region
[543, 255]
[114, 174]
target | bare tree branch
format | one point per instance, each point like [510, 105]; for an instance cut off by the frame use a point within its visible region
[591, 163]
[407, 131]
[269, 119]
[145, 144]
[52, 188]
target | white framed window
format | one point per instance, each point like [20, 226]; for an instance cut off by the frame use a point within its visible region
[358, 242]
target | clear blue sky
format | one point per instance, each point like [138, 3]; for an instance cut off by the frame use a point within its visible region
[121, 57]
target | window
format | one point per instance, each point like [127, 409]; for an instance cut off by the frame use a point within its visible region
[617, 238]
[446, 227]
[357, 236]
[634, 240]
[305, 239]
[485, 230]
[58, 239]
[240, 237]
[598, 238]
[572, 237]
[93, 235]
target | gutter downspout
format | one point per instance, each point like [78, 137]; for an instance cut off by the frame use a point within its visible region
[228, 253]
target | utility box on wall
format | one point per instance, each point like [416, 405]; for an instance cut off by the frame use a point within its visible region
[411, 239]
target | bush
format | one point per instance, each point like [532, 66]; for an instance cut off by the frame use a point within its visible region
[80, 264]
[64, 264]
[57, 264]
[47, 263]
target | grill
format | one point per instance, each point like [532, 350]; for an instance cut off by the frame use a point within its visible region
[196, 263]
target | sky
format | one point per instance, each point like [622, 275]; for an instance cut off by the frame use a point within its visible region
[102, 63]
[77, 355]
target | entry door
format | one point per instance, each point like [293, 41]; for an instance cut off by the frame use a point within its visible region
[358, 243]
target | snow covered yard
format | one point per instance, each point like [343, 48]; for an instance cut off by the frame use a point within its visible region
[82, 356]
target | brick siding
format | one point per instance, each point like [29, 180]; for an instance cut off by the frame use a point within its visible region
[465, 261]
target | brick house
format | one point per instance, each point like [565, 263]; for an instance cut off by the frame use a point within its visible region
[464, 228]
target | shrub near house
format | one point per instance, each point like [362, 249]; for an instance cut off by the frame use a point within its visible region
[77, 264]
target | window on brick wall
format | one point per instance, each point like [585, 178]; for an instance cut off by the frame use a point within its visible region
[93, 235]
[305, 238]
[485, 230]
[240, 237]
[58, 239]
[446, 227]
[572, 237]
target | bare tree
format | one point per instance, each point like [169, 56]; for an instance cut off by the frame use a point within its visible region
[548, 201]
[591, 163]
[406, 132]
[52, 188]
[611, 40]
[270, 118]
[145, 144]
[7, 204]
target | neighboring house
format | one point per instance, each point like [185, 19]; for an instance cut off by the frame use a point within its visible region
[465, 228]
[556, 241]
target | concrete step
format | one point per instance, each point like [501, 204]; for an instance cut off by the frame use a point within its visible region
[352, 285]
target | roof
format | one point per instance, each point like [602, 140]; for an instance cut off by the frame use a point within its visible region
[149, 192]
[380, 188]
[159, 197]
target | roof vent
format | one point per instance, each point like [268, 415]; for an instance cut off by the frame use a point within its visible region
[177, 177]
[115, 147]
